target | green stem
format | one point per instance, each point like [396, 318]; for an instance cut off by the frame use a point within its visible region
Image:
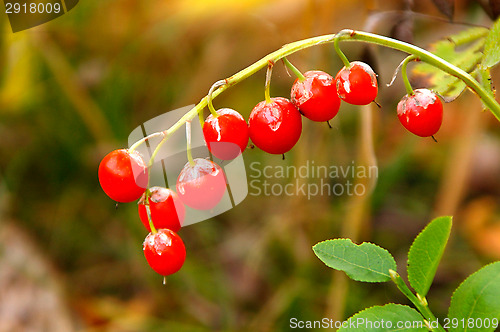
[210, 92]
[202, 120]
[148, 211]
[212, 109]
[294, 69]
[341, 54]
[143, 140]
[188, 139]
[267, 91]
[406, 81]
[420, 304]
[165, 134]
[349, 35]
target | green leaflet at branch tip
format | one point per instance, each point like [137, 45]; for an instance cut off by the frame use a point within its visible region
[426, 252]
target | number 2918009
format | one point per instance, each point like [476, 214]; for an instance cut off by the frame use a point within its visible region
[470, 323]
[32, 8]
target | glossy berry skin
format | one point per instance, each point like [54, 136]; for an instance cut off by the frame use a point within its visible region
[316, 97]
[123, 175]
[357, 85]
[164, 251]
[201, 186]
[167, 210]
[227, 134]
[275, 127]
[421, 113]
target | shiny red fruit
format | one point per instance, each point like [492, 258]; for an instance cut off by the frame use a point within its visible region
[167, 210]
[357, 84]
[227, 134]
[164, 251]
[123, 175]
[275, 127]
[201, 186]
[316, 97]
[421, 113]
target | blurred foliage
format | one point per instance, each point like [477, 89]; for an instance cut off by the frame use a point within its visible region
[71, 90]
[466, 59]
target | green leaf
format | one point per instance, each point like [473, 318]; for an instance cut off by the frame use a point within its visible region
[492, 47]
[469, 55]
[469, 35]
[477, 300]
[365, 262]
[390, 317]
[426, 252]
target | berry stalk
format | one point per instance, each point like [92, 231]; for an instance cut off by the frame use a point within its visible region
[188, 139]
[294, 70]
[406, 81]
[211, 108]
[267, 91]
[148, 213]
[166, 134]
[341, 54]
[209, 96]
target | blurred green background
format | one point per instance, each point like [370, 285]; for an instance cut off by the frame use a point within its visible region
[72, 90]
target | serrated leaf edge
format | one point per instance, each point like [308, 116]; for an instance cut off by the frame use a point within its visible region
[386, 305]
[409, 276]
[476, 41]
[463, 282]
[492, 28]
[359, 245]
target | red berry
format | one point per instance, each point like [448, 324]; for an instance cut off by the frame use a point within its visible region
[421, 113]
[164, 251]
[201, 186]
[357, 84]
[227, 134]
[275, 127]
[167, 210]
[316, 97]
[123, 175]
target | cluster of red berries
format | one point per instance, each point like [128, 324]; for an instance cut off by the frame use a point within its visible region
[274, 125]
[201, 184]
